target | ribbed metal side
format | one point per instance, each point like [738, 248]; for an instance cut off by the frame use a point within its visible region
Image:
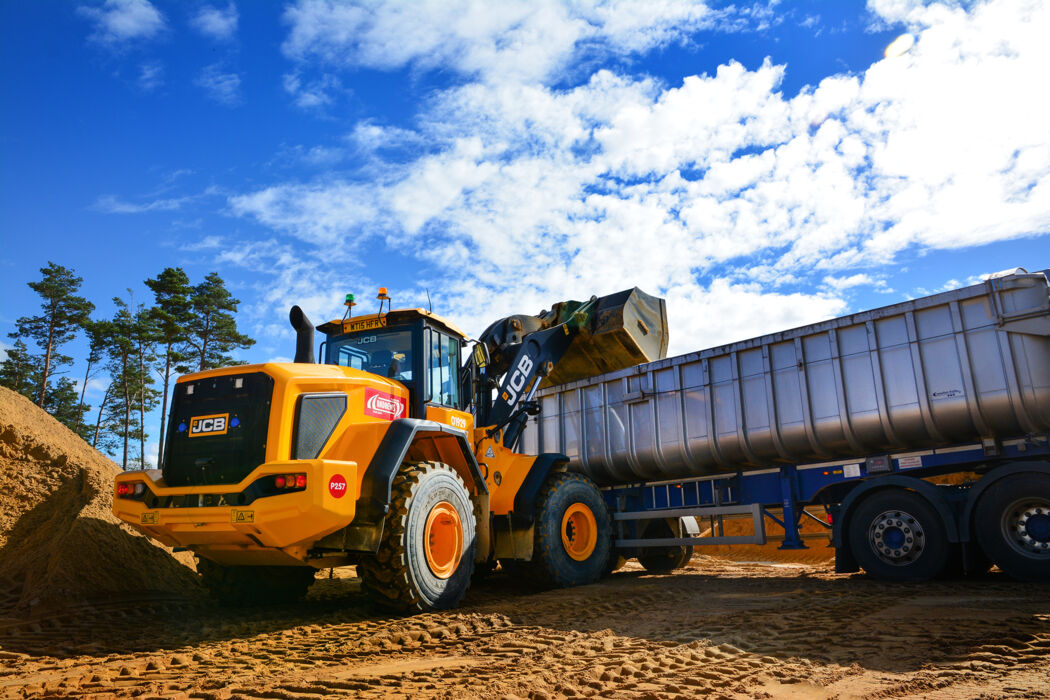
[946, 369]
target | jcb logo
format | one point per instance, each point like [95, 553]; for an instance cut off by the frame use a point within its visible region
[216, 424]
[517, 380]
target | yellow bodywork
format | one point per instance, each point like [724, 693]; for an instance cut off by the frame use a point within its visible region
[279, 528]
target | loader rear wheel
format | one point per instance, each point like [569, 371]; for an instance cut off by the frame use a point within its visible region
[426, 557]
[245, 586]
[663, 560]
[573, 533]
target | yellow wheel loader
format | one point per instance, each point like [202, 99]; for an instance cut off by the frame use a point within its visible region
[391, 454]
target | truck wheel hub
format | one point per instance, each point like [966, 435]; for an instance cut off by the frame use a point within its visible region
[443, 540]
[1026, 525]
[896, 537]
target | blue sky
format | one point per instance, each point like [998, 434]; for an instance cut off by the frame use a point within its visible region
[761, 165]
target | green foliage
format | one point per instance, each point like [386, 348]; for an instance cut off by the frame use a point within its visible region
[171, 316]
[63, 314]
[213, 330]
[188, 328]
[20, 370]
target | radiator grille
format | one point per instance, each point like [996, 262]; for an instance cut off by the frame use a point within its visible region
[317, 417]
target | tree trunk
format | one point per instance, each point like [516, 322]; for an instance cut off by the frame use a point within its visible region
[142, 408]
[205, 333]
[101, 408]
[164, 403]
[127, 413]
[44, 374]
[83, 390]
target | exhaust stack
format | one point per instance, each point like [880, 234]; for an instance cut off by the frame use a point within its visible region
[304, 336]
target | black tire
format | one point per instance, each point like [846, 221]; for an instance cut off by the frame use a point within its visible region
[896, 535]
[663, 560]
[1012, 525]
[247, 586]
[552, 565]
[399, 576]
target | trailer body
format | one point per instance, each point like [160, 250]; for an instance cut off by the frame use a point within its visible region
[829, 415]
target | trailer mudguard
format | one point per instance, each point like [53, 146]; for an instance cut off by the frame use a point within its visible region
[924, 488]
[988, 480]
[525, 498]
[374, 500]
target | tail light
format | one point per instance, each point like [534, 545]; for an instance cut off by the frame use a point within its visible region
[130, 489]
[289, 481]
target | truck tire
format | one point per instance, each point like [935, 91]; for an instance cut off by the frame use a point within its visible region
[572, 533]
[247, 586]
[663, 560]
[426, 556]
[1012, 524]
[896, 535]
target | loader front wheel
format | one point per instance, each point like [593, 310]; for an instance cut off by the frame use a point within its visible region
[245, 586]
[426, 556]
[573, 533]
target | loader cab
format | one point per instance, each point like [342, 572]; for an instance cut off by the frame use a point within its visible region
[412, 346]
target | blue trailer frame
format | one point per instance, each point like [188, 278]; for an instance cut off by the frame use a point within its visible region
[835, 486]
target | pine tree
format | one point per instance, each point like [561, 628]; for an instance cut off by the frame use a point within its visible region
[126, 340]
[19, 371]
[213, 329]
[61, 402]
[63, 315]
[171, 317]
[95, 335]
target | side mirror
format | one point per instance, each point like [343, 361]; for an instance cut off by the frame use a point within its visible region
[480, 353]
[532, 408]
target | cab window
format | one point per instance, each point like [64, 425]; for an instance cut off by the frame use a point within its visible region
[442, 368]
[386, 353]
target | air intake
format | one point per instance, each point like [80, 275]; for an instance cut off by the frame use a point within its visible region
[316, 419]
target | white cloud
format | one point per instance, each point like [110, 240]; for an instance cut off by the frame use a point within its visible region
[511, 40]
[224, 88]
[311, 94]
[216, 23]
[124, 20]
[848, 282]
[110, 204]
[151, 76]
[688, 190]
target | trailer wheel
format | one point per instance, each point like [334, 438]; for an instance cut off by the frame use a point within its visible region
[663, 560]
[896, 535]
[426, 556]
[573, 533]
[246, 586]
[1012, 523]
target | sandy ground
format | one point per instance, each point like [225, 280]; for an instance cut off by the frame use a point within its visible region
[90, 608]
[722, 628]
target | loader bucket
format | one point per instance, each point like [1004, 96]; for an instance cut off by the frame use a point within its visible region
[623, 330]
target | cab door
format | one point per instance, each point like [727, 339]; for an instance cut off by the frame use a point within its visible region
[441, 380]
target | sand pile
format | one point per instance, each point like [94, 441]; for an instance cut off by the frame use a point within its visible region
[59, 541]
[818, 551]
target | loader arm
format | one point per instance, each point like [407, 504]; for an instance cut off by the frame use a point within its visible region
[574, 340]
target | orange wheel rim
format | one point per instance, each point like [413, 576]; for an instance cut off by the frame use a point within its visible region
[579, 531]
[443, 539]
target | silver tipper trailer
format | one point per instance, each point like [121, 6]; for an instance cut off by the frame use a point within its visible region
[952, 382]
